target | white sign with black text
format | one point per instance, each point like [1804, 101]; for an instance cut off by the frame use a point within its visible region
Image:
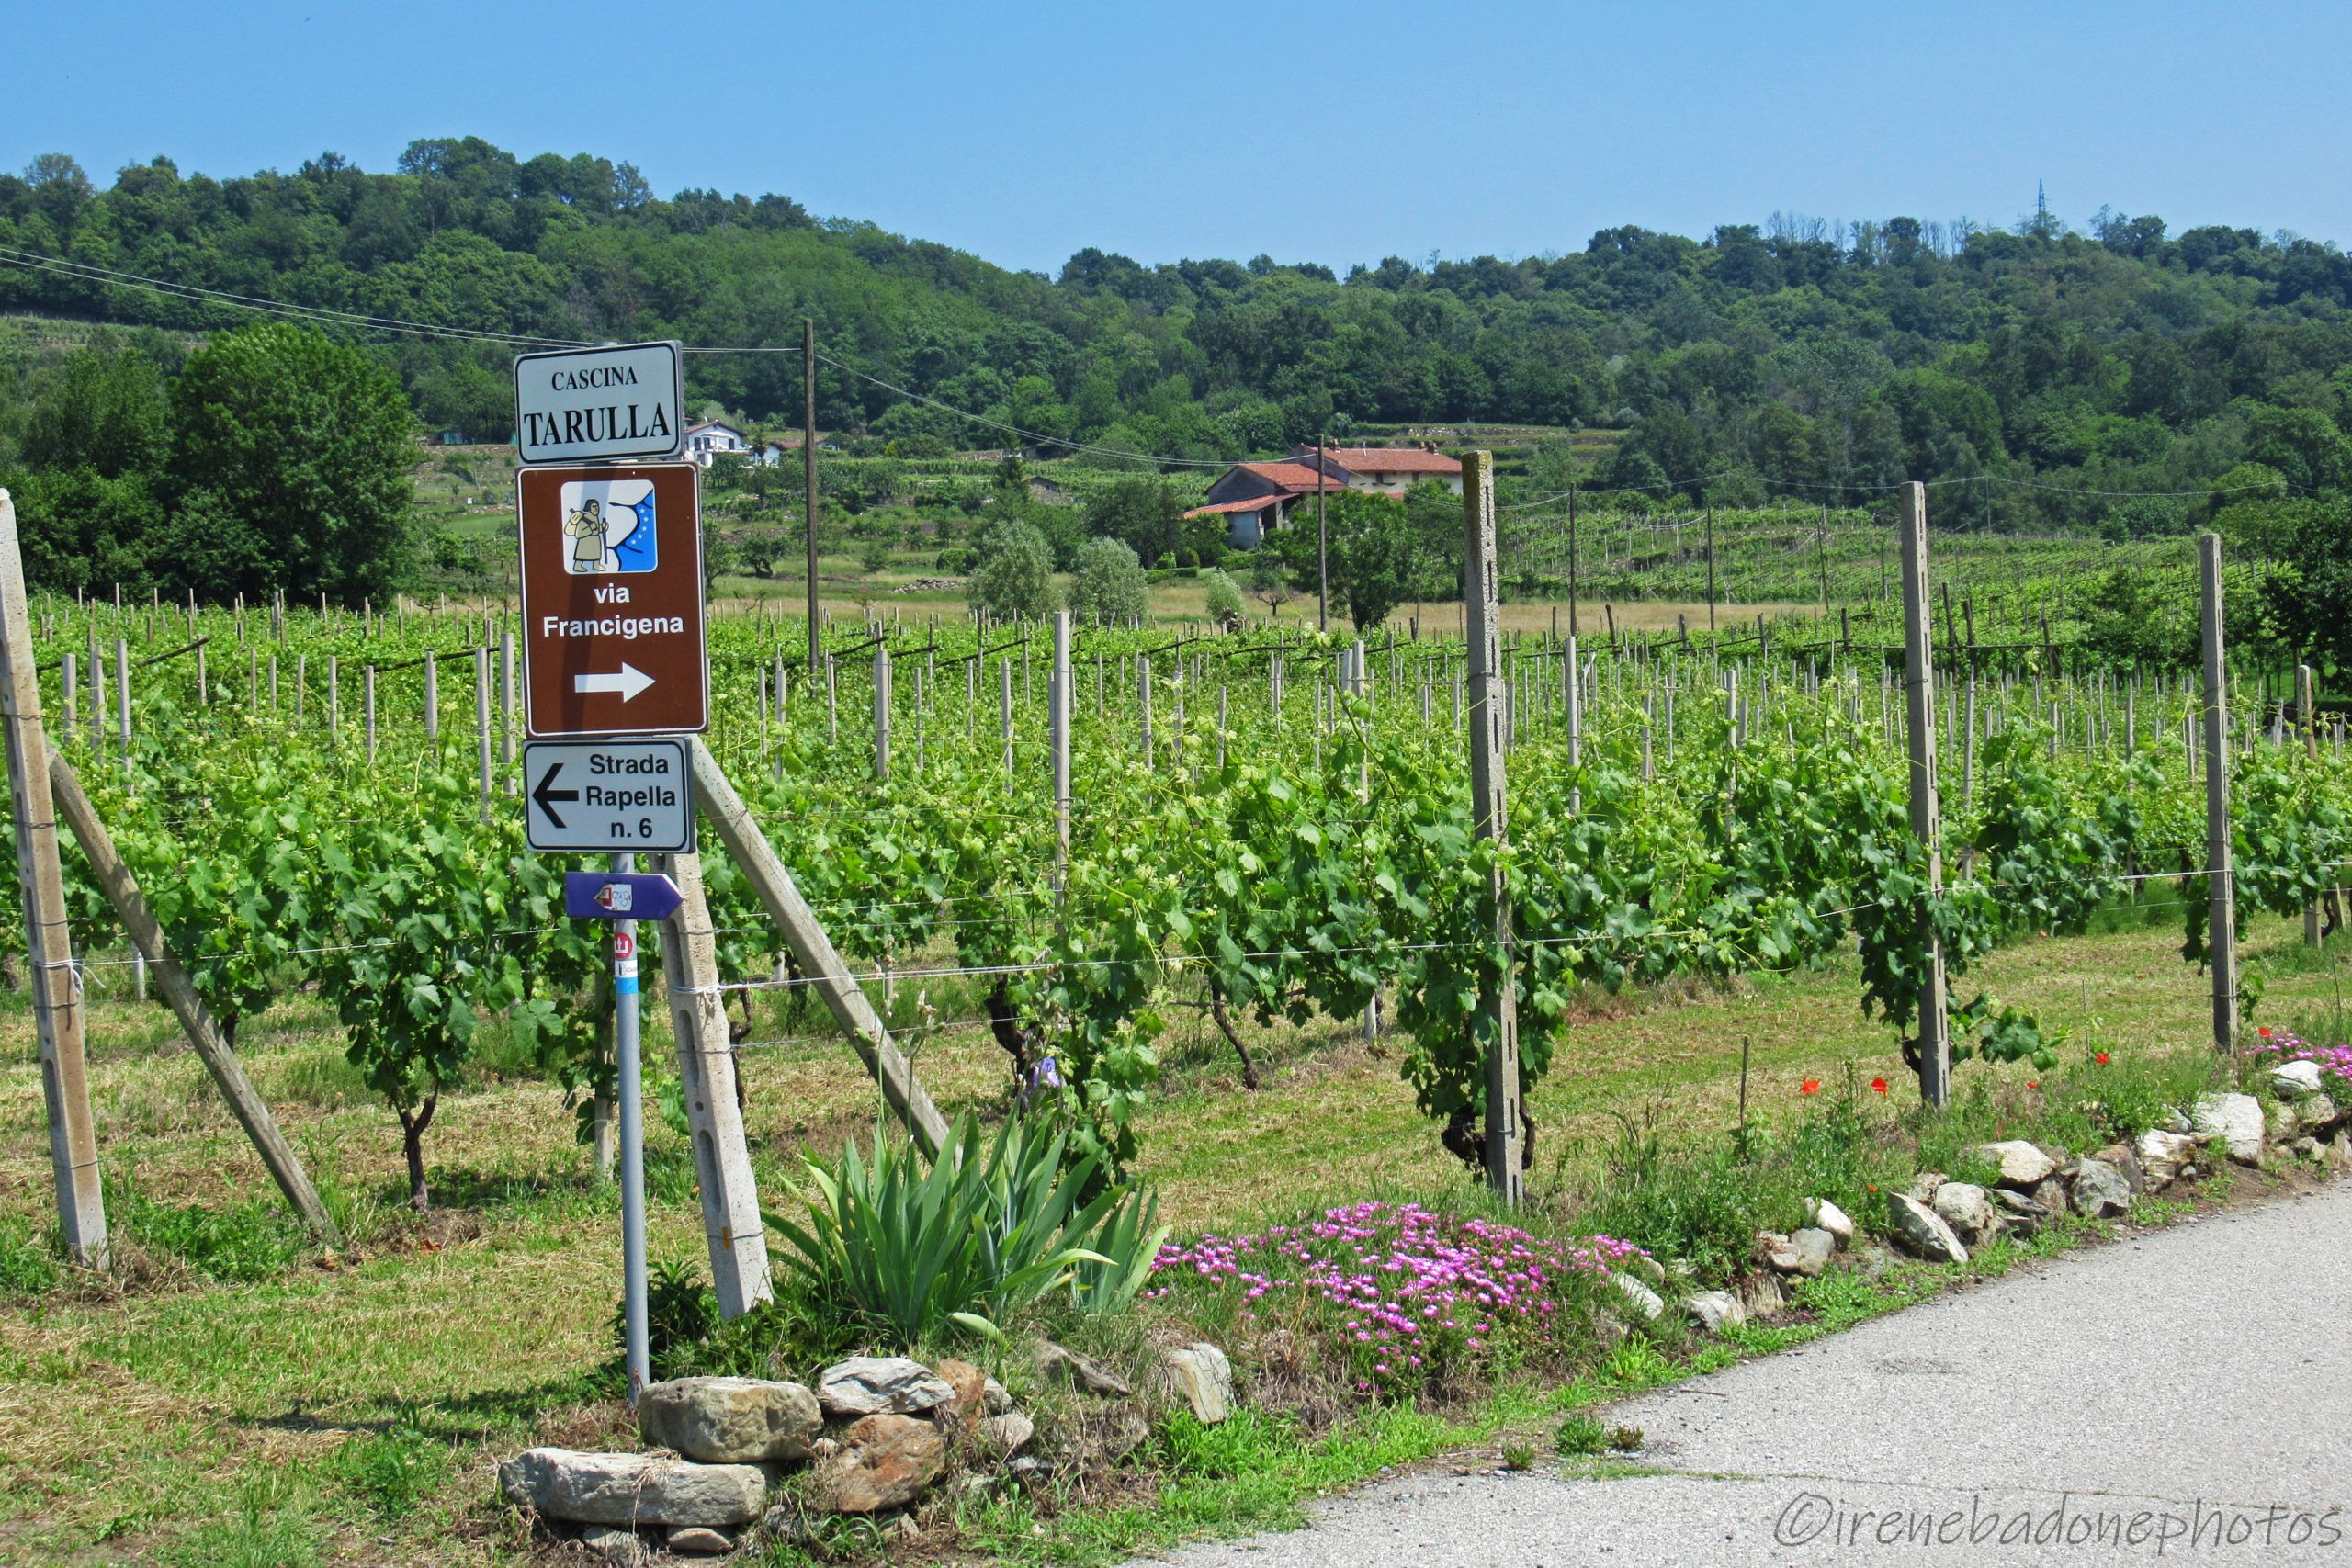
[619, 400]
[606, 796]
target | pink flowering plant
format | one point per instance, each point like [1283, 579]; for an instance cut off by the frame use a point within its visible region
[2334, 1060]
[1408, 1299]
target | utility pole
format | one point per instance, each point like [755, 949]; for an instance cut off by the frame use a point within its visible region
[56, 988]
[1919, 694]
[1497, 1016]
[1322, 543]
[2221, 934]
[808, 473]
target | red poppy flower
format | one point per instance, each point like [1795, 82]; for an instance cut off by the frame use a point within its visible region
[1878, 1086]
[2033, 1083]
[2100, 1057]
[1812, 1085]
[2264, 1031]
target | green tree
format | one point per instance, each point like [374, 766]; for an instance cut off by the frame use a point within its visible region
[1377, 559]
[292, 454]
[1221, 598]
[1269, 579]
[1108, 582]
[1015, 576]
[1139, 513]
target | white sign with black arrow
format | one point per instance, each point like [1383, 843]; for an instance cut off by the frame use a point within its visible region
[608, 797]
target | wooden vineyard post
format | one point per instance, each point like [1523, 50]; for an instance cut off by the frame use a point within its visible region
[1497, 1006]
[2222, 895]
[1927, 826]
[40, 878]
[719, 805]
[730, 1200]
[131, 906]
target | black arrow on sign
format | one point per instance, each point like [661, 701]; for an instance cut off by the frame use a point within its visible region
[546, 797]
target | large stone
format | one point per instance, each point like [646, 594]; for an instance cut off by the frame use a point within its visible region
[1717, 1311]
[970, 1384]
[2099, 1189]
[2023, 1166]
[700, 1541]
[1807, 1253]
[2280, 1122]
[2163, 1155]
[1092, 1376]
[730, 1420]
[1969, 1211]
[2317, 1114]
[2297, 1080]
[2236, 1120]
[1645, 1300]
[1923, 1185]
[1202, 1376]
[632, 1489]
[1828, 1216]
[884, 1461]
[1922, 1231]
[875, 1385]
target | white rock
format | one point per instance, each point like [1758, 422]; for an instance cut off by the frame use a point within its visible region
[1008, 1433]
[621, 1548]
[2294, 1080]
[2163, 1155]
[1828, 1216]
[868, 1385]
[1201, 1375]
[1646, 1301]
[1922, 1231]
[1717, 1310]
[1807, 1253]
[994, 1399]
[2022, 1165]
[633, 1489]
[2236, 1120]
[1964, 1207]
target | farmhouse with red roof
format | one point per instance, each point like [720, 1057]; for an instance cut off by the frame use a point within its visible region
[1256, 498]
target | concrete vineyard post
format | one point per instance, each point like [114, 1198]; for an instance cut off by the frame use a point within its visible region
[1497, 1006]
[1057, 726]
[49, 943]
[2308, 722]
[809, 477]
[2221, 895]
[481, 726]
[882, 713]
[1926, 825]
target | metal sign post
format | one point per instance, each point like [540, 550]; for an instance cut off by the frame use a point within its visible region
[625, 1052]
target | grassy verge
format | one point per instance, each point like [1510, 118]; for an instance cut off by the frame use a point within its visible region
[238, 1397]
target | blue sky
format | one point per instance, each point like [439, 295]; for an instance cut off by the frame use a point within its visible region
[1314, 132]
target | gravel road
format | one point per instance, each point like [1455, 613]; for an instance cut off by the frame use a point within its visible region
[2181, 1396]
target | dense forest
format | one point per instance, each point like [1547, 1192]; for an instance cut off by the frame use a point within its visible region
[1798, 355]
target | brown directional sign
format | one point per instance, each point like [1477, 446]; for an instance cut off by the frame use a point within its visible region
[612, 600]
